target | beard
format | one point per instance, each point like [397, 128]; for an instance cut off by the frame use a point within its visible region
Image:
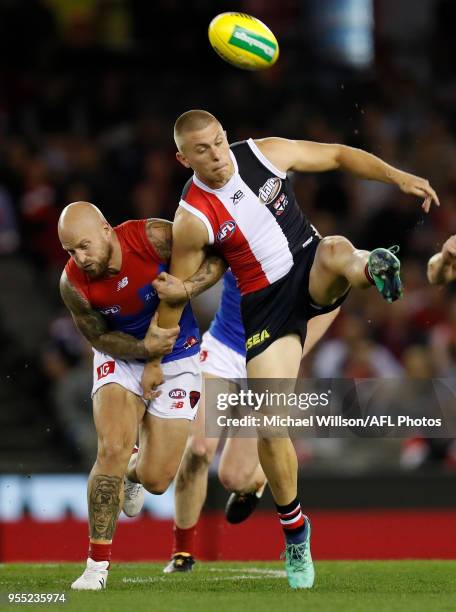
[101, 267]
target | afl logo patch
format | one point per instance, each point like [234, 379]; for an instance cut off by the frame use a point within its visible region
[270, 190]
[177, 393]
[110, 310]
[226, 230]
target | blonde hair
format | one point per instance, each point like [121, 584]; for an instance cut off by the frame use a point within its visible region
[192, 121]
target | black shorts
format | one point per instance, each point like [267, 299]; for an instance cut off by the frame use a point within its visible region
[282, 308]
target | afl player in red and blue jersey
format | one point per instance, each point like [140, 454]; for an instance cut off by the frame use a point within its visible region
[107, 286]
[240, 200]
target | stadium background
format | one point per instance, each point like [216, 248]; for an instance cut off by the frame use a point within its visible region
[89, 91]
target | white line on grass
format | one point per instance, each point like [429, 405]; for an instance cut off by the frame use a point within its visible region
[253, 573]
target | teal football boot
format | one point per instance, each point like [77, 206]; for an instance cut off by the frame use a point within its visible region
[384, 268]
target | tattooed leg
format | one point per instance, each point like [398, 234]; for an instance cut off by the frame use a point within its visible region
[104, 499]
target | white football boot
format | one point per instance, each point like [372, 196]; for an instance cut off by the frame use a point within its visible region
[94, 578]
[133, 498]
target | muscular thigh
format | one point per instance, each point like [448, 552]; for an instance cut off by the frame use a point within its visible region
[161, 445]
[280, 360]
[117, 413]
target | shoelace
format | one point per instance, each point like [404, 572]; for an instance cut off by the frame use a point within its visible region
[133, 489]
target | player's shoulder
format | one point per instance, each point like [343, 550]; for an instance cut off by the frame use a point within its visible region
[131, 227]
[73, 285]
[132, 234]
[72, 274]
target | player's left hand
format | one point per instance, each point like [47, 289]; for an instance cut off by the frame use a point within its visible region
[170, 289]
[151, 378]
[415, 185]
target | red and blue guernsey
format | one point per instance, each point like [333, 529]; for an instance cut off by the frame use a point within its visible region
[127, 300]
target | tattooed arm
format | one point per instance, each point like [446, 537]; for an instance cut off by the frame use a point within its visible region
[92, 326]
[159, 232]
[174, 291]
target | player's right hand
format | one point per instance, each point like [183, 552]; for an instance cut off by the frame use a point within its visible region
[158, 340]
[170, 289]
[151, 378]
[449, 250]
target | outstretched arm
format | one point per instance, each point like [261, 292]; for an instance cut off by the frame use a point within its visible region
[92, 326]
[442, 266]
[307, 156]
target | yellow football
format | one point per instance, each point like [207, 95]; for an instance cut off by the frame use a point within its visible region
[243, 41]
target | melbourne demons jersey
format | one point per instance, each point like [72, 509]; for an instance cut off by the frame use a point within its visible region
[227, 324]
[254, 220]
[127, 300]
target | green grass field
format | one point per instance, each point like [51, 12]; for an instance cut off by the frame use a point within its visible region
[256, 587]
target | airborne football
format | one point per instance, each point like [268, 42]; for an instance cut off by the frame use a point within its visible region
[243, 41]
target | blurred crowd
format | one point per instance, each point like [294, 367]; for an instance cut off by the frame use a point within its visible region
[89, 91]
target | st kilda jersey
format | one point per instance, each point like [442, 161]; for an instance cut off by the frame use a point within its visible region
[254, 220]
[127, 299]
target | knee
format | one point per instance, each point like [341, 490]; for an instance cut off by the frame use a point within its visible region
[201, 452]
[234, 479]
[156, 485]
[113, 452]
[332, 247]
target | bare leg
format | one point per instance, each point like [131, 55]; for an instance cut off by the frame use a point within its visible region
[191, 480]
[277, 455]
[161, 445]
[337, 266]
[116, 415]
[239, 469]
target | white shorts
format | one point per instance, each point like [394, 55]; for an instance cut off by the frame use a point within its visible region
[180, 392]
[218, 359]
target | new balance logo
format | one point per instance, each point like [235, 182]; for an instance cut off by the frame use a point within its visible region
[237, 196]
[122, 283]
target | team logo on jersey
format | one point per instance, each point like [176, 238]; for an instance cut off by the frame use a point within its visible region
[280, 204]
[270, 190]
[226, 231]
[237, 196]
[203, 355]
[110, 310]
[190, 341]
[105, 369]
[122, 283]
[177, 393]
[194, 398]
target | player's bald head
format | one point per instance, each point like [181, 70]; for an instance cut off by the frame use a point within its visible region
[78, 217]
[86, 236]
[192, 121]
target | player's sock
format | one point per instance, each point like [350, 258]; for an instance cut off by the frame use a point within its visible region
[100, 552]
[184, 540]
[369, 276]
[292, 521]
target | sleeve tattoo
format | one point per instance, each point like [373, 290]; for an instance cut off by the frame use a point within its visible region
[93, 326]
[210, 271]
[160, 234]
